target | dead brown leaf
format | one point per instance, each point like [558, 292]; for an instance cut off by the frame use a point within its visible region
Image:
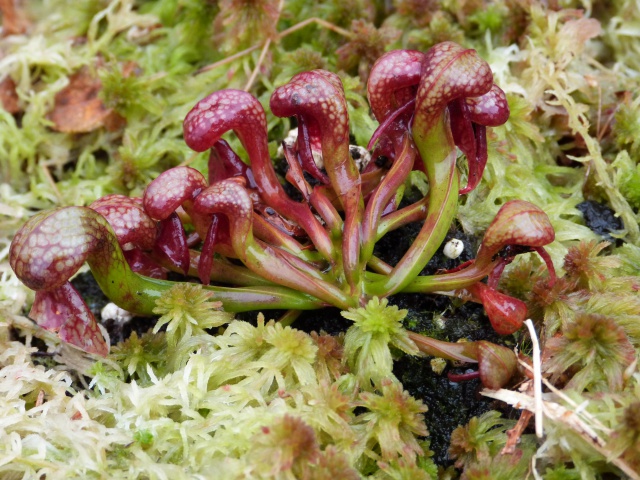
[8, 95]
[78, 108]
[14, 19]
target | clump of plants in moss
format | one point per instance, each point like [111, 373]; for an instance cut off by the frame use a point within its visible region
[301, 255]
[569, 138]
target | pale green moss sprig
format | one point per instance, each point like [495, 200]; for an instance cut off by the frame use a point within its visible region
[629, 255]
[595, 349]
[264, 359]
[621, 34]
[402, 469]
[597, 434]
[291, 353]
[425, 24]
[138, 354]
[592, 269]
[289, 449]
[477, 448]
[492, 18]
[302, 59]
[114, 19]
[24, 143]
[242, 342]
[626, 177]
[623, 308]
[624, 416]
[328, 364]
[502, 467]
[187, 310]
[328, 408]
[392, 421]
[627, 127]
[481, 437]
[376, 327]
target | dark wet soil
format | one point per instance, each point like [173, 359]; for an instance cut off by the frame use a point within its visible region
[600, 218]
[450, 404]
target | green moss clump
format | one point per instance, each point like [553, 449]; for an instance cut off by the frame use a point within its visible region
[206, 393]
[263, 398]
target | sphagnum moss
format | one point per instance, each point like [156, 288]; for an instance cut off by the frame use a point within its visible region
[214, 416]
[568, 104]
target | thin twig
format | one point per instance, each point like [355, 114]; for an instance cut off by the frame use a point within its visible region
[226, 60]
[52, 184]
[276, 38]
[256, 69]
[537, 378]
[319, 21]
[514, 434]
[189, 160]
[263, 53]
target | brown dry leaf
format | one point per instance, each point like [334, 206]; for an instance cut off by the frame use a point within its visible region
[78, 108]
[8, 96]
[14, 19]
[579, 31]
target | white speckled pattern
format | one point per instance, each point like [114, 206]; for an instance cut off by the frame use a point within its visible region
[518, 223]
[226, 196]
[52, 245]
[128, 219]
[171, 189]
[230, 198]
[449, 71]
[392, 73]
[317, 94]
[490, 109]
[220, 112]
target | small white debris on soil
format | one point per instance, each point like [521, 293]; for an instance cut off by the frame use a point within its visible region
[438, 365]
[453, 248]
[360, 155]
[289, 140]
[113, 312]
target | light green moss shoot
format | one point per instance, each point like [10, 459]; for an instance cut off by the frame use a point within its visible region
[267, 401]
[376, 328]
